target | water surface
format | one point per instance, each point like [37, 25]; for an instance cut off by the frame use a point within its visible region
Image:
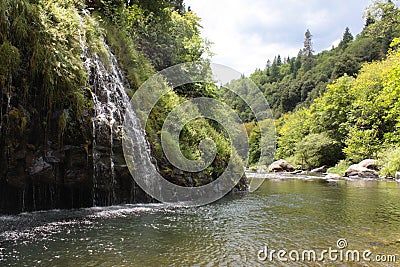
[288, 214]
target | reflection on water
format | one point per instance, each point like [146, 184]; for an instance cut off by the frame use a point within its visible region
[283, 214]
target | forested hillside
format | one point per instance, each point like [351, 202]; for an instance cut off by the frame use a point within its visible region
[341, 104]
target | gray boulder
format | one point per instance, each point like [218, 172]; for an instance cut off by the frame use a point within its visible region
[360, 171]
[280, 166]
[397, 176]
[322, 169]
[369, 164]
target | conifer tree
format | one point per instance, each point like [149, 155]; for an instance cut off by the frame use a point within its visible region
[308, 51]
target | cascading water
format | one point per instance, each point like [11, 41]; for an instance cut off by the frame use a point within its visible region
[111, 103]
[72, 161]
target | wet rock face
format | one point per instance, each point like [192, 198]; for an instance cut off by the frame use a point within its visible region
[40, 170]
[42, 177]
[36, 182]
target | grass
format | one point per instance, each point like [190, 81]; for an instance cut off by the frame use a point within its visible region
[340, 168]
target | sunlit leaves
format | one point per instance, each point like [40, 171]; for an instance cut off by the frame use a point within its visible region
[361, 114]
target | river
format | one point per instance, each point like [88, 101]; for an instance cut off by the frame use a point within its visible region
[284, 214]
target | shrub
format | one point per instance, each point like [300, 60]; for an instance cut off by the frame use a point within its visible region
[340, 168]
[316, 150]
[389, 159]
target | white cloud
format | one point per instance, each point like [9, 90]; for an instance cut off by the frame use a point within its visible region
[248, 33]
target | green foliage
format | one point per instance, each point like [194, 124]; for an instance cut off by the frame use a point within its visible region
[375, 112]
[295, 126]
[361, 144]
[192, 133]
[347, 38]
[386, 22]
[389, 159]
[358, 115]
[56, 61]
[308, 52]
[255, 143]
[113, 10]
[166, 36]
[296, 82]
[316, 150]
[40, 55]
[9, 62]
[329, 113]
[42, 49]
[136, 66]
[243, 87]
[350, 94]
[262, 143]
[345, 64]
[340, 168]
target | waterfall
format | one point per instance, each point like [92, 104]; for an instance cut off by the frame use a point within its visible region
[111, 103]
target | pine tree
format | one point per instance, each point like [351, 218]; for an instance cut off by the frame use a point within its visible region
[275, 70]
[347, 38]
[308, 51]
[268, 67]
[308, 48]
[279, 60]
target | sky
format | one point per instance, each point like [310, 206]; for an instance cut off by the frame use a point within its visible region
[245, 34]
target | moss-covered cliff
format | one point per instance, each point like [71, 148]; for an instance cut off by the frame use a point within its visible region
[56, 72]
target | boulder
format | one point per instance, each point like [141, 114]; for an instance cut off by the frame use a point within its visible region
[369, 164]
[360, 171]
[397, 176]
[281, 166]
[322, 169]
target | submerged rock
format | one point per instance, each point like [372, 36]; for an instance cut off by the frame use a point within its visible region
[281, 166]
[333, 176]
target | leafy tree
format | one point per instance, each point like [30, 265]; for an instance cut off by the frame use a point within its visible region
[361, 144]
[295, 126]
[265, 143]
[167, 36]
[346, 64]
[386, 22]
[255, 143]
[316, 150]
[329, 113]
[389, 159]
